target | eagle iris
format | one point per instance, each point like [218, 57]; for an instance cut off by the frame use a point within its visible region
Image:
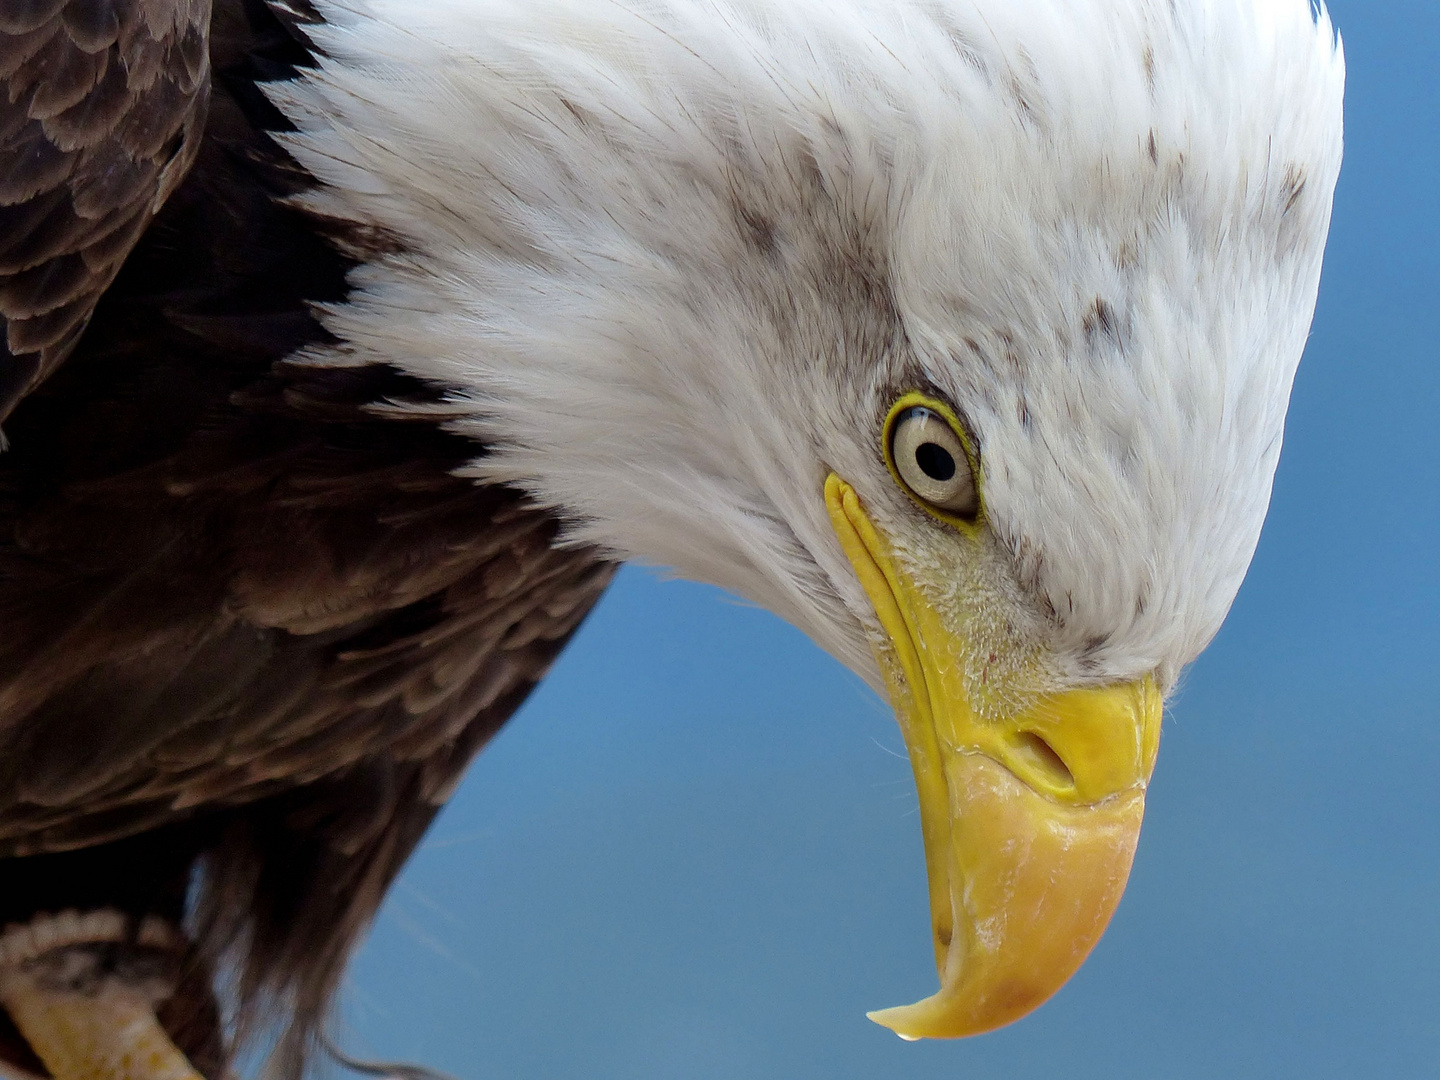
[929, 454]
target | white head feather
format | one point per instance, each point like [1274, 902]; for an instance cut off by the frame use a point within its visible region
[676, 258]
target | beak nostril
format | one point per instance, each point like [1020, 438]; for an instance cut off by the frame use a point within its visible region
[1039, 755]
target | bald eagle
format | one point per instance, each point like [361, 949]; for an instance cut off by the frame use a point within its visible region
[350, 344]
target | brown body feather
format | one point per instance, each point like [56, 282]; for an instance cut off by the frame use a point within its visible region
[101, 118]
[250, 631]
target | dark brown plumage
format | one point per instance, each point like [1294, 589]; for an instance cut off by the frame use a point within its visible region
[248, 627]
[101, 119]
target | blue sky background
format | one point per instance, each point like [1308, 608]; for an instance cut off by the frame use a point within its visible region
[695, 855]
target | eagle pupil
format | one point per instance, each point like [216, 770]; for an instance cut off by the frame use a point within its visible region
[935, 461]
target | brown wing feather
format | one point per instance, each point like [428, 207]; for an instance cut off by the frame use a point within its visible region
[100, 119]
[249, 626]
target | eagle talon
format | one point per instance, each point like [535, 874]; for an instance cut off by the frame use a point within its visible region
[84, 1019]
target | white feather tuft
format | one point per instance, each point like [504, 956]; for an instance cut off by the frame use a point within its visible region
[676, 257]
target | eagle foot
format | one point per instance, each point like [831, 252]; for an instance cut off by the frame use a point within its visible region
[82, 990]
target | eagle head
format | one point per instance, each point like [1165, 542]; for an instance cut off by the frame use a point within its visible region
[959, 333]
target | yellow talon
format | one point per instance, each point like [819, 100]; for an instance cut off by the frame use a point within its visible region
[110, 1035]
[80, 1025]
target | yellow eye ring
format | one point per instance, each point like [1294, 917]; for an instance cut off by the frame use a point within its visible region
[932, 458]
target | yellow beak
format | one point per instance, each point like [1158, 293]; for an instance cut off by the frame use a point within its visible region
[1030, 819]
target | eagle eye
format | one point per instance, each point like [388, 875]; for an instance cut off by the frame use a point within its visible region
[928, 454]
